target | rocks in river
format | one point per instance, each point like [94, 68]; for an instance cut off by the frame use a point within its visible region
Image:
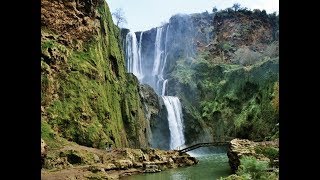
[151, 168]
[119, 162]
[265, 151]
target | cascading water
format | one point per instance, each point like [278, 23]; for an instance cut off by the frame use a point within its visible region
[173, 106]
[163, 92]
[164, 61]
[133, 56]
[157, 53]
[172, 103]
[156, 79]
[139, 51]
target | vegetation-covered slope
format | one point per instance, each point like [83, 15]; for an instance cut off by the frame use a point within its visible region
[86, 96]
[231, 88]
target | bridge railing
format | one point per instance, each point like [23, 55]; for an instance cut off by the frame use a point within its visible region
[198, 145]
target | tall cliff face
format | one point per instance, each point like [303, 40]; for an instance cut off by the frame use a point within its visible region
[86, 95]
[224, 67]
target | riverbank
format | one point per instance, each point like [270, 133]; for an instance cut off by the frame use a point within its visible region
[79, 162]
[212, 165]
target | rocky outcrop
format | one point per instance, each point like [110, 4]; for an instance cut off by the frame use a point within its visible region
[160, 128]
[63, 15]
[151, 101]
[264, 151]
[152, 109]
[89, 162]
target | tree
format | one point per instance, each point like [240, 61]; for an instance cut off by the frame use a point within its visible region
[236, 6]
[119, 16]
[214, 10]
[245, 56]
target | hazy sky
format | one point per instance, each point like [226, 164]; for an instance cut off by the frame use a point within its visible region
[142, 15]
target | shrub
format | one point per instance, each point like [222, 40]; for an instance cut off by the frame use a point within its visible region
[272, 50]
[245, 56]
[250, 165]
[271, 153]
[225, 46]
[183, 72]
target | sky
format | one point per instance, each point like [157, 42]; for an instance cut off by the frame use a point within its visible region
[143, 15]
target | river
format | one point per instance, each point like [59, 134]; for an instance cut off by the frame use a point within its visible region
[212, 165]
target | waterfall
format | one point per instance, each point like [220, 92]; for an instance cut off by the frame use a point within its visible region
[157, 52]
[173, 106]
[155, 79]
[133, 56]
[139, 51]
[160, 63]
[164, 87]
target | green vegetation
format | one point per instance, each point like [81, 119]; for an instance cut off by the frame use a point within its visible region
[183, 73]
[231, 88]
[269, 152]
[86, 96]
[235, 98]
[252, 169]
[50, 137]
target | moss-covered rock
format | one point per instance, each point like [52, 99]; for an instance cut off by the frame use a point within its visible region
[86, 96]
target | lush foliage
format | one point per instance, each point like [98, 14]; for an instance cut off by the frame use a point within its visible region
[252, 169]
[230, 88]
[231, 99]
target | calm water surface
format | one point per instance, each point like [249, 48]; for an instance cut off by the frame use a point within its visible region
[211, 166]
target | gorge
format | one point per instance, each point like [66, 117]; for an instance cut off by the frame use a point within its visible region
[116, 102]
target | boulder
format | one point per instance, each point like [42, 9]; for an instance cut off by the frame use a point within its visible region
[123, 164]
[151, 168]
[137, 165]
[96, 158]
[110, 166]
[96, 168]
[44, 151]
[243, 147]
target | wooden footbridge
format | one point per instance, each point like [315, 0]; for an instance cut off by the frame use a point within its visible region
[196, 146]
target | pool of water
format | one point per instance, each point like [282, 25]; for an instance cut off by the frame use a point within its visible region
[211, 166]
